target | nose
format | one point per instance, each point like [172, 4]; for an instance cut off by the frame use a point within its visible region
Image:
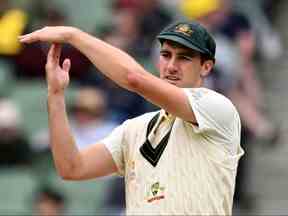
[172, 66]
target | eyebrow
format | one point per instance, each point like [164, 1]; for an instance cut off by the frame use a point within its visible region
[164, 50]
[189, 53]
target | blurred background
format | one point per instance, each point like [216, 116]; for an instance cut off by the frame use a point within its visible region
[251, 69]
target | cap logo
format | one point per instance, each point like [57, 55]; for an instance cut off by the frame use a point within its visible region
[184, 29]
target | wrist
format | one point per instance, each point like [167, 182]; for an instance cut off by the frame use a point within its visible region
[71, 35]
[52, 94]
[55, 102]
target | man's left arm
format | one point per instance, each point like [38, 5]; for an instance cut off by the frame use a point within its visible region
[119, 67]
[126, 72]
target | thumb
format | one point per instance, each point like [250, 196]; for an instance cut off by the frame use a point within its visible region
[66, 65]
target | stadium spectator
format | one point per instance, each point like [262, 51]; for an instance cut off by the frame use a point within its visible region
[49, 202]
[14, 143]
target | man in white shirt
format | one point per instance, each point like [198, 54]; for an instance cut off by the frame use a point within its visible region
[180, 160]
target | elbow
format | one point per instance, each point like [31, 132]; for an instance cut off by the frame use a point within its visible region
[133, 80]
[65, 175]
[69, 176]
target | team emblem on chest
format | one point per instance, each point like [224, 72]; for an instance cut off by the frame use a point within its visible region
[155, 192]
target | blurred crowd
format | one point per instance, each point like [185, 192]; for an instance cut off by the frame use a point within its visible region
[243, 40]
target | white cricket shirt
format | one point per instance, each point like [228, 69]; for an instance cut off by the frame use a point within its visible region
[196, 172]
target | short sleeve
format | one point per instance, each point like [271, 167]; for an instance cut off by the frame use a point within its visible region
[214, 113]
[115, 143]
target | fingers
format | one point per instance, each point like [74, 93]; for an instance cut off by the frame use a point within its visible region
[29, 38]
[54, 54]
[50, 62]
[66, 65]
[57, 52]
[51, 54]
[53, 57]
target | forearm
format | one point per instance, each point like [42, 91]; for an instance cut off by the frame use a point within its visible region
[111, 61]
[65, 153]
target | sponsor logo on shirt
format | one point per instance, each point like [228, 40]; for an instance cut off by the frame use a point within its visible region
[131, 173]
[155, 192]
[198, 94]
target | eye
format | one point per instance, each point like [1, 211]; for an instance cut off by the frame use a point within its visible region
[185, 57]
[165, 54]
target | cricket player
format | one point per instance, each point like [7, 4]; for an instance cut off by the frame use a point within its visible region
[180, 160]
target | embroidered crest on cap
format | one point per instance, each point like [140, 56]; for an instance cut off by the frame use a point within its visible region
[184, 29]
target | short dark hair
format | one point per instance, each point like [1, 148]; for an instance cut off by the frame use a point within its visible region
[204, 57]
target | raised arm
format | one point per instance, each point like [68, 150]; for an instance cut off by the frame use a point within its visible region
[69, 161]
[119, 67]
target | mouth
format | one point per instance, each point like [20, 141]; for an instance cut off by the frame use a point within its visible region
[172, 79]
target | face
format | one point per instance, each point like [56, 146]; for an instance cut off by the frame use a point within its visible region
[182, 66]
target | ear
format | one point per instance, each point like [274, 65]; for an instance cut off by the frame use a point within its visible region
[206, 68]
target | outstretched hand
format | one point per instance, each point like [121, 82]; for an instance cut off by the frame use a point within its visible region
[57, 34]
[57, 77]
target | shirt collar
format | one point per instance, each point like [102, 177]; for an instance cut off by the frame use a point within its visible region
[167, 116]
